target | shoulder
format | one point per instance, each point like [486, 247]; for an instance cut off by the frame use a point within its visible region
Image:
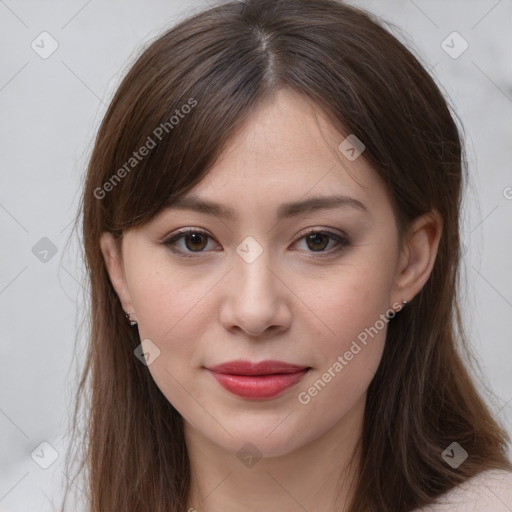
[490, 490]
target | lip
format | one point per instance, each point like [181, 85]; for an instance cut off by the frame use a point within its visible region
[266, 379]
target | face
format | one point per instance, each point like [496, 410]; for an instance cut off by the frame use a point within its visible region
[307, 288]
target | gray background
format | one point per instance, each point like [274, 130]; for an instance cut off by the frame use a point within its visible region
[50, 109]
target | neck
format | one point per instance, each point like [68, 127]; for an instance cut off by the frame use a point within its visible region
[319, 476]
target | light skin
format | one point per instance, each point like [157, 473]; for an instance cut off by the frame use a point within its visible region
[299, 302]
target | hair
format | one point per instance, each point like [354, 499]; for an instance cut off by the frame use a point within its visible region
[185, 97]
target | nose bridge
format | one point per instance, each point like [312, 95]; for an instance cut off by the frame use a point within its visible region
[255, 298]
[252, 269]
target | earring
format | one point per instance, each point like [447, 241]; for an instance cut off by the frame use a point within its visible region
[132, 322]
[404, 302]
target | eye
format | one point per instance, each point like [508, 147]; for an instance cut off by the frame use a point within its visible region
[317, 241]
[196, 241]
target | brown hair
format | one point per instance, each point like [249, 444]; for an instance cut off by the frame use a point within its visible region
[222, 63]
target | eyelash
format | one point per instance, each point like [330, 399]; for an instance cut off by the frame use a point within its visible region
[342, 241]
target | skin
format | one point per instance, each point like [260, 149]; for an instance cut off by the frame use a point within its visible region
[290, 304]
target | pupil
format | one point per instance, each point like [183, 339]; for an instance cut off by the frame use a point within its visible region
[196, 238]
[316, 238]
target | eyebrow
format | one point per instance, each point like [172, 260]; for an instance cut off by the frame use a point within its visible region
[285, 210]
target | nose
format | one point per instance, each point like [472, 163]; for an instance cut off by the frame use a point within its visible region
[256, 300]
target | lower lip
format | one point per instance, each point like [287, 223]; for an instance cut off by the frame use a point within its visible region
[259, 386]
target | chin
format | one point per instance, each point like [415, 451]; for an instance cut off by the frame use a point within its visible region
[264, 438]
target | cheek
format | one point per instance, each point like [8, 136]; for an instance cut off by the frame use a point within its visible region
[356, 311]
[171, 312]
[355, 298]
[165, 298]
[349, 360]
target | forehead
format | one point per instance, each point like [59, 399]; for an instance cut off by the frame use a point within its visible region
[285, 151]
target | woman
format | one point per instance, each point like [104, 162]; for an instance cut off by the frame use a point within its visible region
[306, 354]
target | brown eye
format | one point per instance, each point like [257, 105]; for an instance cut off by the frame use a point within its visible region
[190, 242]
[187, 242]
[195, 241]
[317, 241]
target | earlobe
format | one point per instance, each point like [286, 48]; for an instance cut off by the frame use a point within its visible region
[418, 255]
[114, 264]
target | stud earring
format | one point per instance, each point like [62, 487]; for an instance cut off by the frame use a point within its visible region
[404, 302]
[132, 322]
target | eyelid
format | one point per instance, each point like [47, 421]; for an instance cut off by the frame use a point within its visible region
[339, 236]
[319, 229]
[181, 233]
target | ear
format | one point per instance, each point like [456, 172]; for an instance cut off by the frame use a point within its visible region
[114, 263]
[418, 255]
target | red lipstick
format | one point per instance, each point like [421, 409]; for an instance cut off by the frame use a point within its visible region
[266, 379]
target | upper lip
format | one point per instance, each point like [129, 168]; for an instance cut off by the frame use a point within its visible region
[240, 367]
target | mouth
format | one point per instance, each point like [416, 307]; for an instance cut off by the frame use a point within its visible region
[267, 379]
